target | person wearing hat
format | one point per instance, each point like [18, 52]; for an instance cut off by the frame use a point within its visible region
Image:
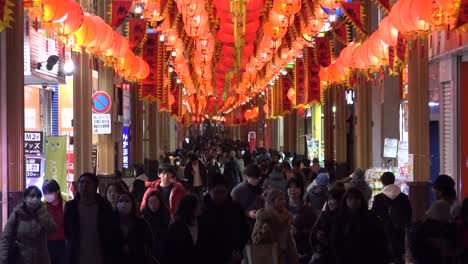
[358, 180]
[444, 189]
[249, 193]
[317, 195]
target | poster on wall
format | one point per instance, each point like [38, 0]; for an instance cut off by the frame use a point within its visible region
[252, 138]
[56, 160]
[33, 143]
[313, 147]
[390, 148]
[33, 166]
[102, 124]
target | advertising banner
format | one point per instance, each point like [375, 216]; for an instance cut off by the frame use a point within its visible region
[125, 146]
[33, 143]
[56, 160]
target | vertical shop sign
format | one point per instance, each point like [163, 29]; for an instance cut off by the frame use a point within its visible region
[33, 166]
[33, 143]
[126, 106]
[94, 154]
[125, 146]
[56, 160]
[252, 137]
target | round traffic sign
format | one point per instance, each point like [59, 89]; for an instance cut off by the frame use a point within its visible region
[101, 102]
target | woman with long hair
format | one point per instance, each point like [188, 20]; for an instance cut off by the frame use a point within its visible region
[182, 244]
[137, 236]
[24, 239]
[113, 192]
[158, 217]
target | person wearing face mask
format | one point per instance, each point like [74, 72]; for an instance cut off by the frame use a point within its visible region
[357, 236]
[158, 217]
[55, 203]
[113, 192]
[248, 194]
[137, 236]
[28, 226]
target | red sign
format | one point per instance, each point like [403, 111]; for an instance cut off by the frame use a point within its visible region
[101, 102]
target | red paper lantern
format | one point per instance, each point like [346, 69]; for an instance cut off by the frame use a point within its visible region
[387, 32]
[399, 16]
[291, 93]
[87, 32]
[378, 48]
[287, 7]
[346, 55]
[73, 20]
[55, 10]
[366, 55]
[330, 4]
[358, 60]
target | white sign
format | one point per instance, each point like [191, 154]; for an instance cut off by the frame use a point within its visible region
[102, 124]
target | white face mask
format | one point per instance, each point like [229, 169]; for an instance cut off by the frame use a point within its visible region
[33, 203]
[50, 197]
[124, 208]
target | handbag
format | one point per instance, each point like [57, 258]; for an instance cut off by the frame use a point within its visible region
[262, 253]
[13, 244]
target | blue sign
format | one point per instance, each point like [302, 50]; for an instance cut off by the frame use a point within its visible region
[125, 147]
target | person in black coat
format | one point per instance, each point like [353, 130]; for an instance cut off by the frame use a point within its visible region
[227, 230]
[92, 233]
[196, 175]
[158, 217]
[357, 236]
[182, 244]
[232, 172]
[393, 209]
[138, 240]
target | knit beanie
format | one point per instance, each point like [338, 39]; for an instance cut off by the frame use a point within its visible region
[322, 179]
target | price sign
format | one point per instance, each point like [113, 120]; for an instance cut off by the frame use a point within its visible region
[33, 167]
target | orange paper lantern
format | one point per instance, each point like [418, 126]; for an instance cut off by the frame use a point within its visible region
[346, 55]
[387, 32]
[55, 10]
[87, 32]
[287, 7]
[378, 48]
[73, 20]
[291, 93]
[358, 60]
[399, 16]
[330, 4]
[171, 99]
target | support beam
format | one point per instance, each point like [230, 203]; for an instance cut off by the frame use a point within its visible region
[363, 111]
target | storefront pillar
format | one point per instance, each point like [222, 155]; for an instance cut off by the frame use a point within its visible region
[106, 144]
[340, 131]
[363, 104]
[328, 120]
[153, 132]
[12, 112]
[136, 133]
[82, 93]
[418, 124]
[300, 133]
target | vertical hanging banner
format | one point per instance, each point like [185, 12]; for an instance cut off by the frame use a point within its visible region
[6, 14]
[125, 147]
[342, 31]
[462, 17]
[148, 91]
[400, 53]
[163, 80]
[354, 13]
[323, 51]
[286, 84]
[313, 79]
[118, 12]
[56, 160]
[176, 107]
[300, 82]
[136, 29]
[384, 5]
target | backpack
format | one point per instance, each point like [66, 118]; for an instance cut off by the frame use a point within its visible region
[399, 211]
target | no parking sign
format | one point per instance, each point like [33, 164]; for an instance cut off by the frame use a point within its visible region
[101, 102]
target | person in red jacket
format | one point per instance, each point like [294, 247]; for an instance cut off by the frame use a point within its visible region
[171, 190]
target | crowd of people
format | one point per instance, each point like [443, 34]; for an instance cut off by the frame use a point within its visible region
[215, 202]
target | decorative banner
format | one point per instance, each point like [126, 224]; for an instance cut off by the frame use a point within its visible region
[286, 84]
[300, 82]
[56, 160]
[384, 5]
[323, 51]
[176, 107]
[6, 14]
[163, 80]
[401, 49]
[136, 32]
[462, 17]
[313, 79]
[118, 12]
[276, 97]
[148, 91]
[391, 59]
[354, 13]
[342, 31]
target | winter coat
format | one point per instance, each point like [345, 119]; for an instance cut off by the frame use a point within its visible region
[363, 186]
[179, 248]
[232, 173]
[31, 231]
[249, 198]
[432, 242]
[276, 180]
[304, 218]
[393, 209]
[226, 231]
[317, 196]
[177, 193]
[321, 237]
[358, 238]
[109, 234]
[159, 225]
[190, 177]
[139, 241]
[273, 228]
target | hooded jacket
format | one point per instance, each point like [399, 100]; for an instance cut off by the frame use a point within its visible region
[276, 181]
[31, 231]
[177, 193]
[361, 184]
[318, 194]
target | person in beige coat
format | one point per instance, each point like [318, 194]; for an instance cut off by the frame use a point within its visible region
[28, 226]
[274, 225]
